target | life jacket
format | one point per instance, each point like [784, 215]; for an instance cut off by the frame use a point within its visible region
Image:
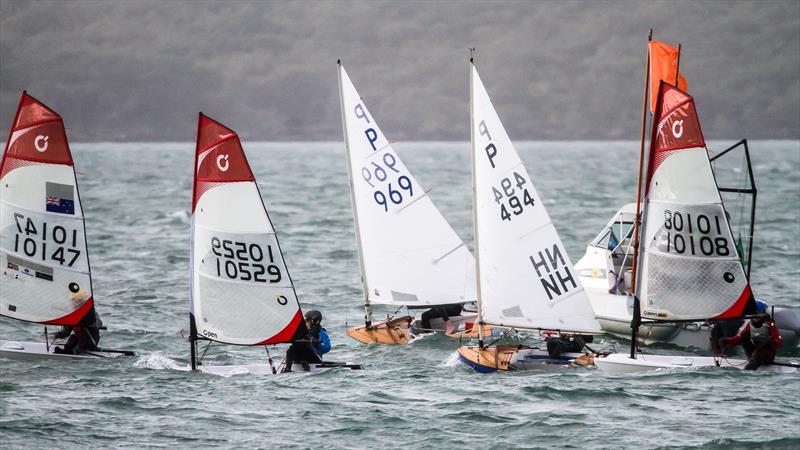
[760, 336]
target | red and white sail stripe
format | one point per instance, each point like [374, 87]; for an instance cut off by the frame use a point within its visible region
[691, 269]
[241, 290]
[44, 266]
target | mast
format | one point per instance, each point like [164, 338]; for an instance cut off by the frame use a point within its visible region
[364, 288]
[475, 199]
[636, 229]
[678, 67]
[192, 327]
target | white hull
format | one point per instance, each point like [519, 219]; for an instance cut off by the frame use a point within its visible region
[35, 351]
[622, 363]
[265, 369]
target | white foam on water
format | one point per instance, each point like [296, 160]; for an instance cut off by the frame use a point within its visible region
[182, 215]
[158, 361]
[451, 360]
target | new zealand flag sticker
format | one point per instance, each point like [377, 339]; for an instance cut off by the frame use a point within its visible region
[60, 198]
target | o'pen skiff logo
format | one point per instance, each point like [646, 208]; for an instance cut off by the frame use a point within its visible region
[37, 142]
[677, 129]
[222, 163]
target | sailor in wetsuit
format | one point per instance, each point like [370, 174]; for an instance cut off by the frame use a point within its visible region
[443, 312]
[566, 343]
[760, 339]
[83, 337]
[310, 348]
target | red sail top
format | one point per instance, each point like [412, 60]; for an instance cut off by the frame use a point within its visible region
[37, 136]
[675, 126]
[219, 157]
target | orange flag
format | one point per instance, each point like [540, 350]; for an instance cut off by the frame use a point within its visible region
[663, 65]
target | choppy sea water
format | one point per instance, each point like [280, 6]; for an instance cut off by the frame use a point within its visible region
[137, 200]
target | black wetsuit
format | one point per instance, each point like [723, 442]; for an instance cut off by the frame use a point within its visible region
[444, 312]
[302, 350]
[556, 346]
[83, 337]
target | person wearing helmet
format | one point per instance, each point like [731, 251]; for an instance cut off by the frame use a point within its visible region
[308, 350]
[319, 336]
[760, 339]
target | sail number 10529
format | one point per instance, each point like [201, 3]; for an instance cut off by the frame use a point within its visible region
[245, 262]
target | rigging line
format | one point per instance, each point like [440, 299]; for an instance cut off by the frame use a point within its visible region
[502, 335]
[204, 352]
[388, 144]
[398, 211]
[448, 253]
[534, 230]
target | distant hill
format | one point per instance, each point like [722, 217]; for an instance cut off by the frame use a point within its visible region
[139, 71]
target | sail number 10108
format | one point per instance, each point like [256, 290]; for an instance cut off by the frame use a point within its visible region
[244, 262]
[695, 234]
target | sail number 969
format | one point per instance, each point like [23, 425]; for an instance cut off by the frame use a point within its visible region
[245, 262]
[377, 173]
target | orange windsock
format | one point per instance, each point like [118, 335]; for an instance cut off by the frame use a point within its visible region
[663, 66]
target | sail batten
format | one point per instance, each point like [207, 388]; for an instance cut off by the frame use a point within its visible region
[526, 279]
[241, 289]
[46, 276]
[407, 255]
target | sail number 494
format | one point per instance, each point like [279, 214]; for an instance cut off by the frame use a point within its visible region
[245, 262]
[517, 198]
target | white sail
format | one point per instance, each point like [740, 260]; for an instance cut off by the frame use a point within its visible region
[409, 253]
[525, 275]
[43, 256]
[241, 290]
[690, 266]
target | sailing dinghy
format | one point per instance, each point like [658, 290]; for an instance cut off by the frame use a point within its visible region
[688, 265]
[46, 277]
[606, 268]
[242, 293]
[407, 252]
[525, 280]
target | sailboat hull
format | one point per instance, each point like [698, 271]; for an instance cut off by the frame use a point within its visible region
[265, 369]
[389, 332]
[516, 357]
[622, 363]
[31, 351]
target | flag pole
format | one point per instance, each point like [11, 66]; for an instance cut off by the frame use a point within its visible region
[634, 323]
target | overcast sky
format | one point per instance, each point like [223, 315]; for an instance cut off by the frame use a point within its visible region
[141, 71]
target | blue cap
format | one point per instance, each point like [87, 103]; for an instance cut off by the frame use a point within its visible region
[761, 306]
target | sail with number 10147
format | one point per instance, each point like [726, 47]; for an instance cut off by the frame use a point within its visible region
[45, 277]
[525, 278]
[408, 254]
